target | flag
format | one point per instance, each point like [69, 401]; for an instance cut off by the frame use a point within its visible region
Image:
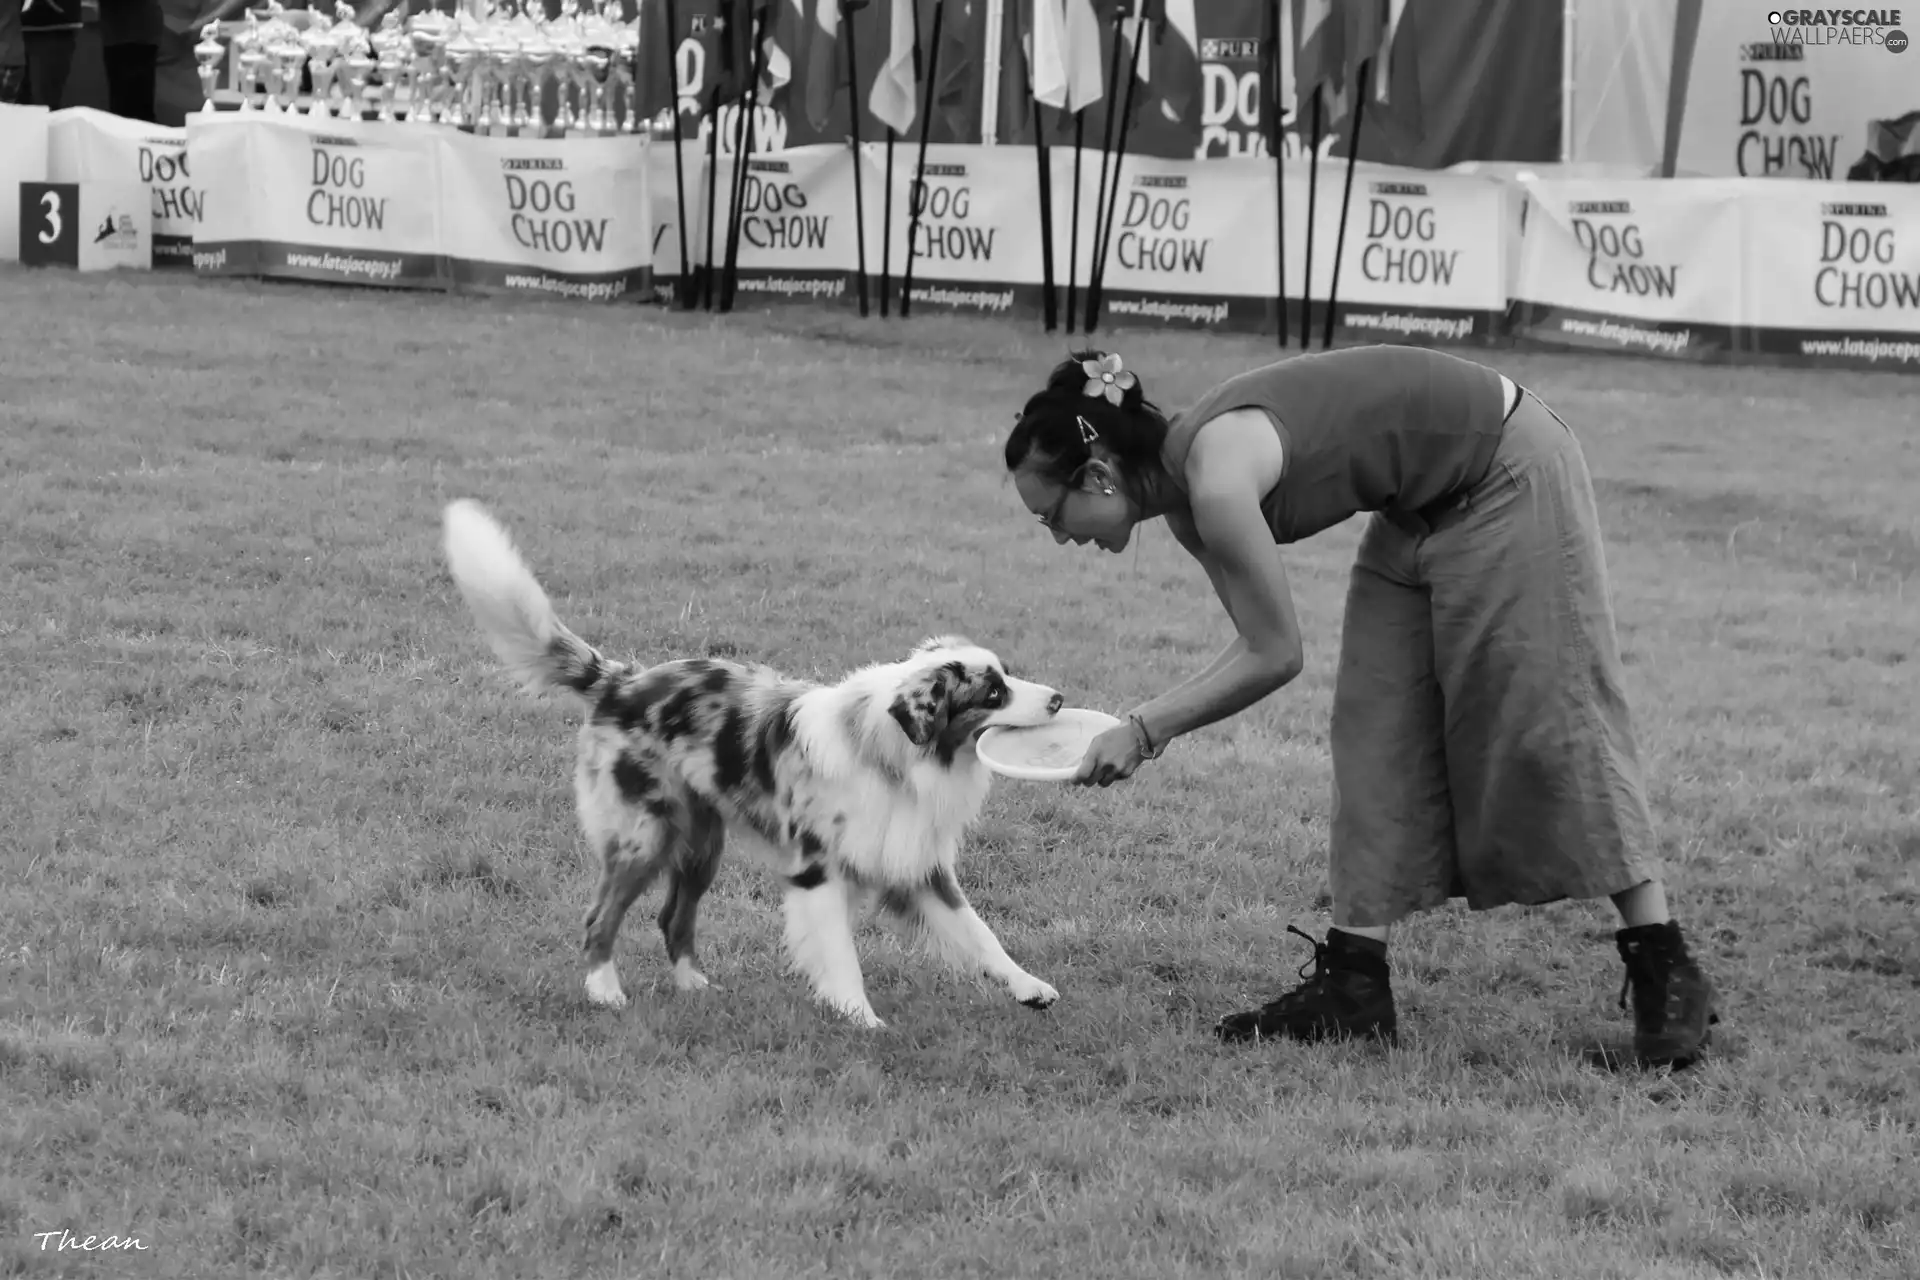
[777, 24]
[961, 79]
[1046, 24]
[1016, 73]
[1080, 45]
[1138, 19]
[894, 97]
[656, 87]
[1317, 32]
[807, 34]
[1397, 103]
[729, 33]
[1363, 31]
[1177, 76]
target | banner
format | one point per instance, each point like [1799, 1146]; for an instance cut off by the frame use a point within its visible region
[664, 203]
[798, 237]
[337, 200]
[1193, 242]
[566, 216]
[1196, 243]
[977, 245]
[86, 145]
[1789, 93]
[1652, 268]
[23, 158]
[1833, 273]
[1425, 256]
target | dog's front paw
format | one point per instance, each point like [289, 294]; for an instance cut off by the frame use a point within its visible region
[861, 1016]
[603, 987]
[1034, 993]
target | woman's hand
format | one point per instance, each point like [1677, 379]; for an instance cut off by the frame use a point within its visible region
[1112, 757]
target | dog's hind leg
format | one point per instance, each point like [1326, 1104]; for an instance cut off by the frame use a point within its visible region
[952, 930]
[690, 876]
[819, 935]
[631, 861]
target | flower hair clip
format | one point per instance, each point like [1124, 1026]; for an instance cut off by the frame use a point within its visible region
[1106, 376]
[1087, 434]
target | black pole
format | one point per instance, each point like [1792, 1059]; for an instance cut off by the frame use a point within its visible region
[1097, 277]
[886, 229]
[1073, 228]
[916, 194]
[859, 188]
[1049, 305]
[1279, 144]
[713, 193]
[1313, 197]
[681, 291]
[1346, 197]
[1106, 155]
[743, 150]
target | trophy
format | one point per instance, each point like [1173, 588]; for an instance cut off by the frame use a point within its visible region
[543, 62]
[596, 60]
[354, 59]
[323, 59]
[388, 59]
[463, 57]
[567, 55]
[277, 60]
[289, 55]
[355, 69]
[248, 61]
[426, 79]
[208, 54]
[626, 71]
[529, 70]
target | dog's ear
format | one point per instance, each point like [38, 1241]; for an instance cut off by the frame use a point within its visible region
[921, 706]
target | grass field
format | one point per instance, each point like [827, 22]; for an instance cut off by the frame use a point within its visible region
[292, 891]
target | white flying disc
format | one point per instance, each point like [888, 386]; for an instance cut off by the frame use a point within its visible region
[1049, 752]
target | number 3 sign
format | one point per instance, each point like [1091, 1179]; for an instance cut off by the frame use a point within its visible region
[48, 237]
[90, 226]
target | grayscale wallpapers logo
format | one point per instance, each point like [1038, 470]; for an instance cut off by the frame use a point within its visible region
[1801, 27]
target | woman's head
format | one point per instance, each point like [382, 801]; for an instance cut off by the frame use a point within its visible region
[1085, 453]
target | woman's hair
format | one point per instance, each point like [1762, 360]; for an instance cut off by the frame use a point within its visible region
[1050, 436]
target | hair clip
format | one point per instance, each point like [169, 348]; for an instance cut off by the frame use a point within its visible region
[1087, 434]
[1107, 377]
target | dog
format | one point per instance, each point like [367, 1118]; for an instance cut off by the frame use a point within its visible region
[854, 792]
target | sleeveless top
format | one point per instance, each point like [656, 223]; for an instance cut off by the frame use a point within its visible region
[1376, 428]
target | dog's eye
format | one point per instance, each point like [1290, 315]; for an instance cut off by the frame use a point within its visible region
[996, 697]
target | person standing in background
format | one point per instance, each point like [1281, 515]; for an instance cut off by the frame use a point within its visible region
[50, 28]
[13, 55]
[130, 46]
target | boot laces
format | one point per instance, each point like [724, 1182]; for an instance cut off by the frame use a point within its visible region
[1311, 973]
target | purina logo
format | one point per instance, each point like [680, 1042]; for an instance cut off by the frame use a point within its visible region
[1229, 49]
[1798, 28]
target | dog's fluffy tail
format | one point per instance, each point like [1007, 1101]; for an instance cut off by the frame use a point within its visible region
[513, 612]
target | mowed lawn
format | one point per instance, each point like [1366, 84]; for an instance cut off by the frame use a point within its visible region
[292, 891]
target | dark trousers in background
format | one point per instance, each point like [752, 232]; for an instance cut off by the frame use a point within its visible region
[130, 45]
[36, 54]
[13, 55]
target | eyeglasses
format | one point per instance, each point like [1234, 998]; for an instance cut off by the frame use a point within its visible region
[1051, 516]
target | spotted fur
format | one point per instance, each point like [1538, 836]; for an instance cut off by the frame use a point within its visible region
[853, 792]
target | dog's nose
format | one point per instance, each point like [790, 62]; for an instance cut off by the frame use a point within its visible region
[1054, 704]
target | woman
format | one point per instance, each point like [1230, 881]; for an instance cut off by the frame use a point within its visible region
[1481, 740]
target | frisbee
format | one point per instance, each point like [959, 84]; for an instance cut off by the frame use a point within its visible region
[1049, 752]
